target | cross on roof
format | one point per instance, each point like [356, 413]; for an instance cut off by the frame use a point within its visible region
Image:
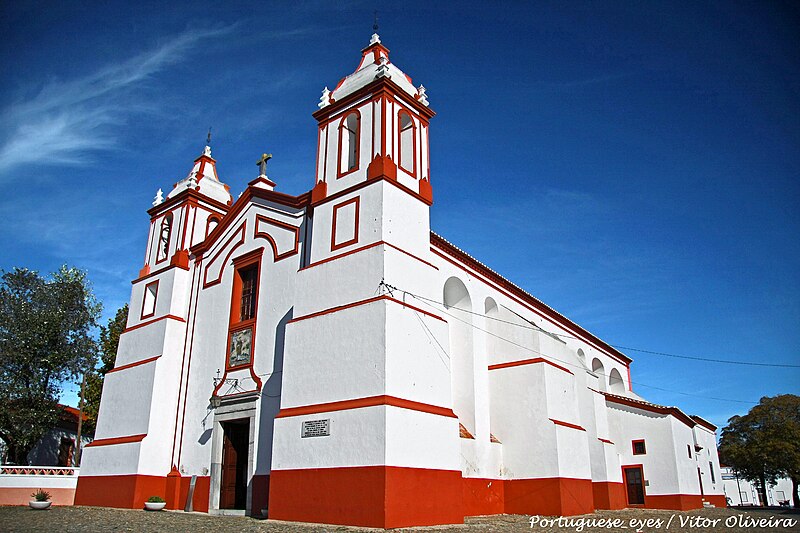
[262, 163]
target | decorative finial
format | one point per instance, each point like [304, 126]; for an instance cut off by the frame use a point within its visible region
[159, 198]
[422, 95]
[262, 163]
[325, 99]
[375, 24]
[208, 139]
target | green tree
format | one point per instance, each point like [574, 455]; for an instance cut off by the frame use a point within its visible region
[764, 444]
[109, 342]
[45, 341]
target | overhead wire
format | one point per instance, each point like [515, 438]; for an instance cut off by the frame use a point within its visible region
[427, 301]
[617, 346]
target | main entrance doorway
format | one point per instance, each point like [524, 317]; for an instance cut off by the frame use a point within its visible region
[233, 486]
[634, 484]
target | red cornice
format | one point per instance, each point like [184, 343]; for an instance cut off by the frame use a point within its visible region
[703, 422]
[131, 365]
[528, 362]
[364, 302]
[179, 198]
[365, 402]
[541, 307]
[651, 407]
[381, 86]
[251, 192]
[117, 440]
[566, 424]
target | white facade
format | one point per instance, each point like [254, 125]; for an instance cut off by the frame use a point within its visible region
[330, 348]
[739, 491]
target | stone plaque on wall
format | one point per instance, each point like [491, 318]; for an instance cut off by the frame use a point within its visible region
[316, 428]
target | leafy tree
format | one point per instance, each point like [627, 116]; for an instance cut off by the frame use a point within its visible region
[45, 340]
[764, 444]
[109, 341]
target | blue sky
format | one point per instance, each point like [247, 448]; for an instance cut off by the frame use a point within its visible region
[633, 164]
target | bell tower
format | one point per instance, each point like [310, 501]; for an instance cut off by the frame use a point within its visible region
[373, 125]
[366, 428]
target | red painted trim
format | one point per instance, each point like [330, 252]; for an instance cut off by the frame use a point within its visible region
[116, 440]
[409, 254]
[144, 300]
[566, 424]
[609, 495]
[413, 170]
[241, 232]
[196, 291]
[131, 365]
[633, 447]
[364, 302]
[186, 195]
[630, 385]
[705, 423]
[130, 491]
[381, 87]
[498, 282]
[354, 240]
[209, 220]
[143, 324]
[528, 362]
[339, 256]
[372, 401]
[236, 323]
[342, 128]
[264, 235]
[370, 181]
[367, 247]
[605, 440]
[150, 274]
[646, 406]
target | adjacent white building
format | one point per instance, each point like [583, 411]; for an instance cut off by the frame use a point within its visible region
[739, 491]
[328, 358]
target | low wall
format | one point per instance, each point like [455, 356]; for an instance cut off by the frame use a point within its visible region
[18, 482]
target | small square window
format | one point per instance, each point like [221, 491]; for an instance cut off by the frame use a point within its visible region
[639, 448]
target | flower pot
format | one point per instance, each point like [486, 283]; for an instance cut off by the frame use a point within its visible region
[154, 506]
[35, 504]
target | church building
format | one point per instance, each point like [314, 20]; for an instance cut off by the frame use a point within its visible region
[328, 358]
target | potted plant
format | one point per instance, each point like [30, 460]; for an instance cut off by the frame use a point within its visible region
[41, 500]
[155, 503]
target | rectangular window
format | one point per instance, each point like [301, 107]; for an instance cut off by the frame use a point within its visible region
[743, 496]
[149, 299]
[244, 307]
[711, 468]
[247, 306]
[689, 449]
[638, 447]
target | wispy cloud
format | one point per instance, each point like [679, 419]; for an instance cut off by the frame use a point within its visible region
[68, 120]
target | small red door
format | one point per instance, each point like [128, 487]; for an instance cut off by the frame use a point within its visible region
[634, 484]
[233, 486]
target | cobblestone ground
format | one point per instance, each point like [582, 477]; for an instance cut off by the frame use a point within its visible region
[100, 519]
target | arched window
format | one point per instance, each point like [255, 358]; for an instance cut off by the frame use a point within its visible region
[581, 356]
[597, 368]
[348, 143]
[615, 383]
[163, 238]
[212, 224]
[407, 143]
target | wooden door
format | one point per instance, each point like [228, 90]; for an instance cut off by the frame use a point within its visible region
[634, 484]
[233, 486]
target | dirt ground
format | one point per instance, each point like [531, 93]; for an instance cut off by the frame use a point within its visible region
[101, 519]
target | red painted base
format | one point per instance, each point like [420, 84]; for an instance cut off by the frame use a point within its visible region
[549, 496]
[131, 491]
[482, 496]
[371, 496]
[608, 495]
